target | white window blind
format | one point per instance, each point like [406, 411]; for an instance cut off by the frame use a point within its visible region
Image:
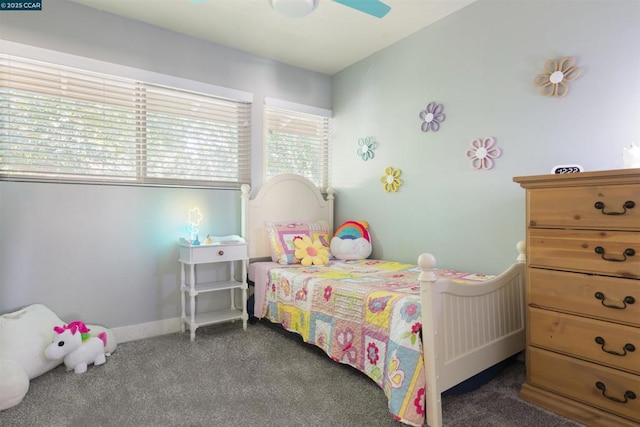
[296, 142]
[66, 124]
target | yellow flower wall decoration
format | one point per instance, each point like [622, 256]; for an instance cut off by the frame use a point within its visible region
[391, 179]
[557, 73]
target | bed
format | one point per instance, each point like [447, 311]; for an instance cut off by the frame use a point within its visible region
[415, 330]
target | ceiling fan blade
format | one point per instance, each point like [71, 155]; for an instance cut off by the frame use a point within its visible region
[372, 7]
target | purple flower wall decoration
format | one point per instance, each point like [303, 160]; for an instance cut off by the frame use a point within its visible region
[432, 117]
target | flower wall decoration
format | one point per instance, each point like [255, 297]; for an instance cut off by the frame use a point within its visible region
[391, 179]
[553, 81]
[432, 117]
[366, 147]
[482, 153]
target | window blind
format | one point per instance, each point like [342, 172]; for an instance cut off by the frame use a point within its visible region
[59, 123]
[296, 142]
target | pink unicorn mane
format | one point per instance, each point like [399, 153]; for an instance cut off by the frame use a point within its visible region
[82, 328]
[75, 326]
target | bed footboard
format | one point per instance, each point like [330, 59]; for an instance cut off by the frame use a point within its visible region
[467, 328]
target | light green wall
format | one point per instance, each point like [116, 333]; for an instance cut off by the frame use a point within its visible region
[480, 64]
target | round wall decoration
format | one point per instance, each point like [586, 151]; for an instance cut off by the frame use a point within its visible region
[482, 153]
[553, 82]
[431, 117]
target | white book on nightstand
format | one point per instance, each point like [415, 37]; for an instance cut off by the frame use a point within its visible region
[214, 240]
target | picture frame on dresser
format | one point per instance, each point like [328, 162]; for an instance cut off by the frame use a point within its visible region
[583, 295]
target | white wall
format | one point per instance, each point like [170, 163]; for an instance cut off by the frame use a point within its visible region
[107, 254]
[480, 64]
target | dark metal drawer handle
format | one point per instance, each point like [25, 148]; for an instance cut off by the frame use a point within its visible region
[629, 204]
[627, 348]
[627, 253]
[628, 395]
[627, 300]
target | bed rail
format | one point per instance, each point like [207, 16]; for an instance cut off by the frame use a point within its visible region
[467, 328]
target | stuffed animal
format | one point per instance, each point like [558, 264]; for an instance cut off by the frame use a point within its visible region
[351, 241]
[24, 334]
[75, 344]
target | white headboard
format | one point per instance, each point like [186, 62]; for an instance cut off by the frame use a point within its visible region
[286, 197]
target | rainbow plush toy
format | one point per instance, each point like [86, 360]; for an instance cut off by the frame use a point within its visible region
[351, 241]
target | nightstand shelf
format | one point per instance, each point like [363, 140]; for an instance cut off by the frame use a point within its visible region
[227, 254]
[211, 286]
[218, 316]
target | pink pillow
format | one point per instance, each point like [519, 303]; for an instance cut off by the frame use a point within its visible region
[281, 237]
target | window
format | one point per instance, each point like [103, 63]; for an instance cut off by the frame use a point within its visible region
[296, 141]
[67, 124]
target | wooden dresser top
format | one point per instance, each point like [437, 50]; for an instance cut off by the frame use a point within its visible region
[615, 176]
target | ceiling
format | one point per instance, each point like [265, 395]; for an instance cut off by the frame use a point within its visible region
[328, 40]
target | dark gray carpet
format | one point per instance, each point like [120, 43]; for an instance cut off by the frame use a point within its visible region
[228, 377]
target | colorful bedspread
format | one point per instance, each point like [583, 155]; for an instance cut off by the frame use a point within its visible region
[364, 313]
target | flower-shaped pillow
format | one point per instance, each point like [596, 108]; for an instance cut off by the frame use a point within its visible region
[310, 252]
[282, 235]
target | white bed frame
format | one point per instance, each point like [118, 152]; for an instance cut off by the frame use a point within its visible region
[465, 328]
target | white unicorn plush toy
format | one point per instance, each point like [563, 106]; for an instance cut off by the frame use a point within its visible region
[77, 346]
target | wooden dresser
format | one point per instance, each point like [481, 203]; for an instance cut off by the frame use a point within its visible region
[583, 295]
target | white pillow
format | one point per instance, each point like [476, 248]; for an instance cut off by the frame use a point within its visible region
[14, 384]
[24, 334]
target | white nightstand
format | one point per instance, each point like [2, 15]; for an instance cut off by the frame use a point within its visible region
[229, 253]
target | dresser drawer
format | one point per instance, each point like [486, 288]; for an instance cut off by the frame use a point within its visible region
[212, 253]
[615, 253]
[599, 386]
[614, 207]
[603, 342]
[602, 297]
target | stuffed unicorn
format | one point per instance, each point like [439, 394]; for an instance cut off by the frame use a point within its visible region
[77, 346]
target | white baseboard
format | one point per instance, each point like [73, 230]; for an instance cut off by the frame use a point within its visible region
[146, 330]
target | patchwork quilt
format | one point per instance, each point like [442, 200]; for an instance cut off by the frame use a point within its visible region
[364, 313]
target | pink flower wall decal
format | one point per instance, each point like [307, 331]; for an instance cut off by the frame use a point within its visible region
[482, 153]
